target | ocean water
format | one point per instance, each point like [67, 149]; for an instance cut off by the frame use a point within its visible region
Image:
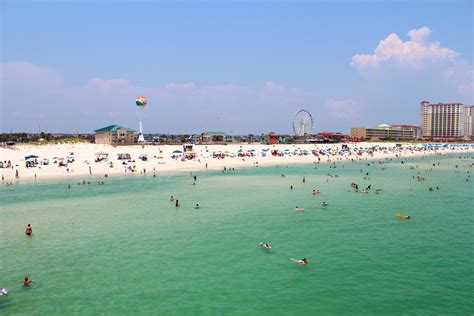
[124, 249]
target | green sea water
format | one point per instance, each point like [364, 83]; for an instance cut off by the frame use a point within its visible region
[124, 249]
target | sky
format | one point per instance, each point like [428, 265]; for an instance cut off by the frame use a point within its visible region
[238, 67]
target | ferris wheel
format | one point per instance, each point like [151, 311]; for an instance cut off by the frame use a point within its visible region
[302, 122]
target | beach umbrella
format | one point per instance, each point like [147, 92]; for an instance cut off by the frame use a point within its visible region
[265, 149]
[31, 157]
[144, 155]
[177, 152]
[101, 153]
[240, 150]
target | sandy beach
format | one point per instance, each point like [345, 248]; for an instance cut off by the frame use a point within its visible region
[162, 158]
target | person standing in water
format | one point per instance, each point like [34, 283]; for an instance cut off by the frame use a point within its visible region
[177, 203]
[29, 230]
[26, 281]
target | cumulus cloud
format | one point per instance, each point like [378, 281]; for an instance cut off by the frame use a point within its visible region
[414, 53]
[419, 35]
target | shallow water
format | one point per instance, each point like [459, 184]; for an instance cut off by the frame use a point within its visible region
[123, 248]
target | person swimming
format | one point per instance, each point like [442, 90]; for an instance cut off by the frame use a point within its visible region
[197, 206]
[302, 261]
[265, 246]
[324, 204]
[29, 230]
[26, 281]
[171, 199]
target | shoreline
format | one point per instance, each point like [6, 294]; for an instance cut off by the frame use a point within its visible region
[203, 160]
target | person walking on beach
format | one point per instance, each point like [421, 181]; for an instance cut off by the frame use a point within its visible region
[29, 230]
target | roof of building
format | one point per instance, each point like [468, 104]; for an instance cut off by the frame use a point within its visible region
[444, 104]
[215, 133]
[325, 133]
[113, 128]
[383, 126]
[405, 126]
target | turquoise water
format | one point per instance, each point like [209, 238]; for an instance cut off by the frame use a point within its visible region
[123, 248]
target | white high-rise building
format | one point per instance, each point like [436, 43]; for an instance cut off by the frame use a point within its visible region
[441, 120]
[469, 122]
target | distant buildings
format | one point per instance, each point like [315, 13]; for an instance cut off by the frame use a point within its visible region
[334, 136]
[441, 120]
[469, 122]
[386, 132]
[213, 137]
[274, 138]
[114, 135]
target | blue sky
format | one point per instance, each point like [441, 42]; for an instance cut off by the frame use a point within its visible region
[241, 66]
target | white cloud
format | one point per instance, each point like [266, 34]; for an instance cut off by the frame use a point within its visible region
[26, 73]
[414, 53]
[419, 35]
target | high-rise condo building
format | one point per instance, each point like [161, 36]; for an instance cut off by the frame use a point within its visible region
[469, 122]
[442, 120]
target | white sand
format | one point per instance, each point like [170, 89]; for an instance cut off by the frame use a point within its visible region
[84, 153]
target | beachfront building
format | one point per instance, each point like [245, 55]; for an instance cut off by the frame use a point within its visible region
[441, 120]
[213, 138]
[415, 128]
[115, 135]
[386, 132]
[274, 138]
[469, 122]
[333, 136]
